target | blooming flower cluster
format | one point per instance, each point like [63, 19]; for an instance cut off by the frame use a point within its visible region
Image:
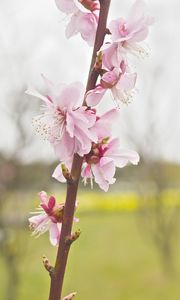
[105, 155]
[68, 120]
[112, 60]
[84, 18]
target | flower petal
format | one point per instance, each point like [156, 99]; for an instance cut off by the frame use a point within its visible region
[71, 96]
[93, 97]
[123, 157]
[58, 175]
[107, 168]
[54, 234]
[127, 81]
[35, 93]
[66, 6]
[64, 149]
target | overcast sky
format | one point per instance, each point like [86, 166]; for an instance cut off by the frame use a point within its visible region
[32, 42]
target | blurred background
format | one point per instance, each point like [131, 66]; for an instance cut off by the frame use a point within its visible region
[130, 245]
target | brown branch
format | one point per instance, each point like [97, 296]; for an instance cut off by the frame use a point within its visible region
[72, 187]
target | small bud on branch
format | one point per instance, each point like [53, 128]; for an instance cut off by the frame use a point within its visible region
[70, 296]
[108, 31]
[48, 266]
[73, 237]
[66, 173]
[98, 63]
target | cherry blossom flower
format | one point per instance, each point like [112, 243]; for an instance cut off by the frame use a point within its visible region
[120, 82]
[64, 122]
[103, 124]
[133, 30]
[100, 164]
[85, 24]
[84, 19]
[48, 218]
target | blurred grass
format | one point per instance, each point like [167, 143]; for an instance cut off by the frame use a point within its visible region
[111, 259]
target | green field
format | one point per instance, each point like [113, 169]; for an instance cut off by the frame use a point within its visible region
[113, 259]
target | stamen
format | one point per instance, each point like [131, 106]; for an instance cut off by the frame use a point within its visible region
[50, 124]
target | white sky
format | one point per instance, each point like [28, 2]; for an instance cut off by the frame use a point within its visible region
[32, 42]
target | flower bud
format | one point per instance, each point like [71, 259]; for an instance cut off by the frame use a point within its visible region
[109, 79]
[98, 63]
[90, 4]
[66, 173]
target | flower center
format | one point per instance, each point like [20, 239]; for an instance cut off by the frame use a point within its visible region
[57, 213]
[123, 28]
[96, 153]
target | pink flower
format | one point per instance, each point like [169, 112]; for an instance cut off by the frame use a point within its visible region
[103, 125]
[64, 122]
[118, 81]
[84, 19]
[84, 23]
[49, 218]
[100, 164]
[133, 30]
[46, 220]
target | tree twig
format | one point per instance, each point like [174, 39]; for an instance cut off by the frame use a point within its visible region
[63, 249]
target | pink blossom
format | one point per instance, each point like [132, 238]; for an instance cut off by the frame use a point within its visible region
[64, 122]
[100, 164]
[134, 29]
[103, 125]
[46, 220]
[120, 82]
[84, 23]
[84, 19]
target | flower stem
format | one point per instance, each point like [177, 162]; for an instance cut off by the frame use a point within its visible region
[57, 276]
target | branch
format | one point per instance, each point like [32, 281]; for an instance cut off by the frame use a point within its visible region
[63, 250]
